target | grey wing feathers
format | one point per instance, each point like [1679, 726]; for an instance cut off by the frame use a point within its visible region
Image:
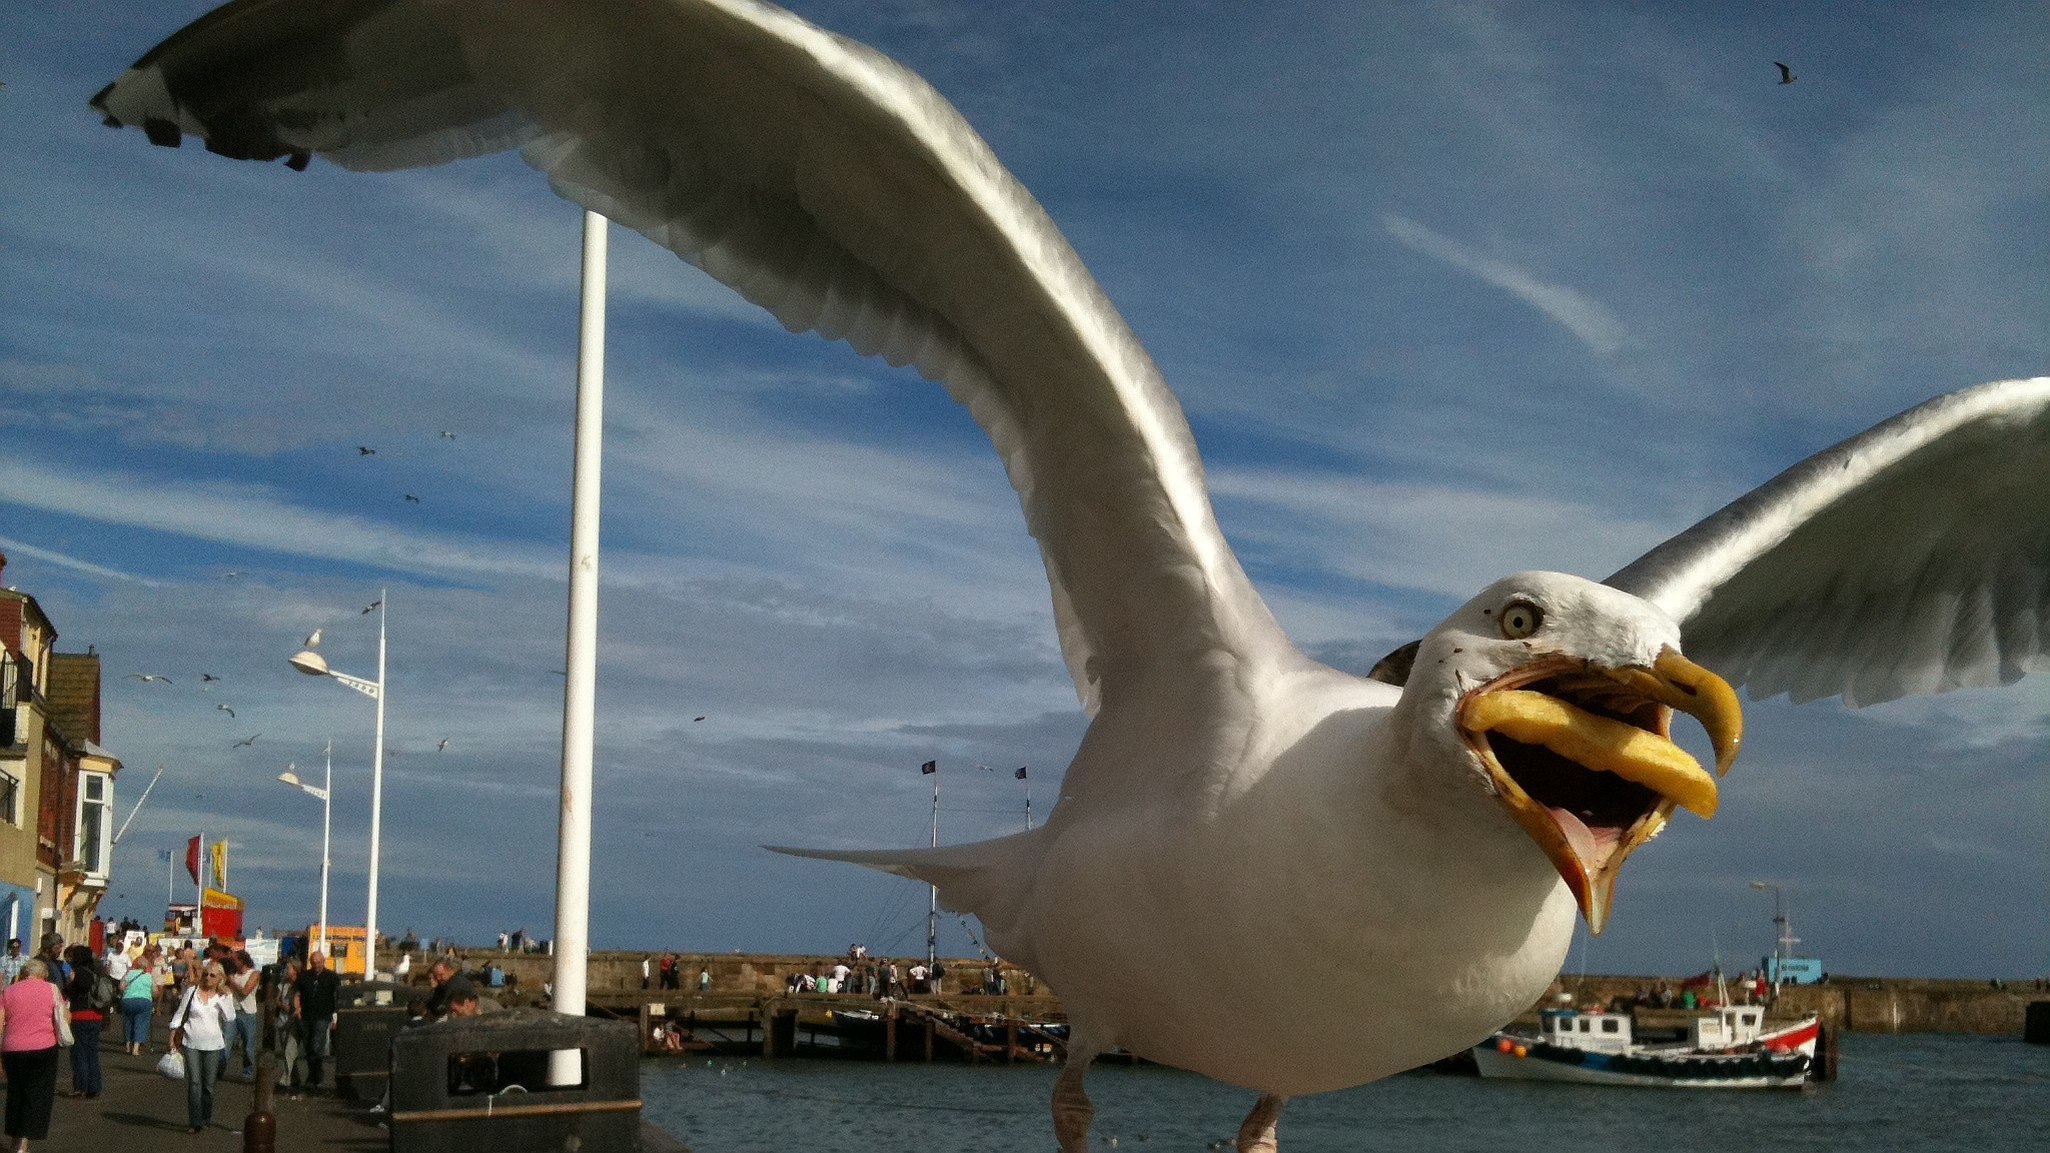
[988, 878]
[815, 176]
[1912, 558]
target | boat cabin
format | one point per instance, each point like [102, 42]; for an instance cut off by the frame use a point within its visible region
[1594, 1032]
[1729, 1027]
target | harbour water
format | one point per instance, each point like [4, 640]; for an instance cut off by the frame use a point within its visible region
[1902, 1093]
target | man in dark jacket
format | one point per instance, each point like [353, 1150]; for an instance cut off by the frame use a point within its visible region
[315, 999]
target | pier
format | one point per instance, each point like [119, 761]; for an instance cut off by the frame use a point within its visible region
[747, 1010]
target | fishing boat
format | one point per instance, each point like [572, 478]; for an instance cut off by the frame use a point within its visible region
[1728, 1048]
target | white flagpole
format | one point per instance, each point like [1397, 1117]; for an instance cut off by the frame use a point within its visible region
[579, 695]
[932, 916]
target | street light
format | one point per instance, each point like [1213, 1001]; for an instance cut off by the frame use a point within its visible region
[325, 792]
[313, 664]
[1783, 947]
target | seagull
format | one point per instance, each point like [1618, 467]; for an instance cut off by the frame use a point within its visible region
[370, 608]
[148, 677]
[246, 741]
[207, 677]
[441, 746]
[447, 435]
[313, 639]
[411, 497]
[365, 450]
[1786, 74]
[695, 720]
[226, 709]
[1406, 853]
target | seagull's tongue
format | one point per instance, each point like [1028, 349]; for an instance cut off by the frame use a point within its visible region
[1593, 848]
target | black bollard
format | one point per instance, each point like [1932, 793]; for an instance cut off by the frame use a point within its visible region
[2036, 1025]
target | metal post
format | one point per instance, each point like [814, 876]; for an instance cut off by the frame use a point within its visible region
[376, 799]
[579, 694]
[932, 916]
[327, 811]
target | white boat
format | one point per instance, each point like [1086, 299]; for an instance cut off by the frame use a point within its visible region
[1730, 1048]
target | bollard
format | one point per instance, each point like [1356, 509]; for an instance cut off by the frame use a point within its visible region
[260, 1128]
[2036, 1025]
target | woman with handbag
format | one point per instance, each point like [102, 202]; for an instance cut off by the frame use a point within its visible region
[87, 1020]
[138, 1001]
[199, 1029]
[33, 1022]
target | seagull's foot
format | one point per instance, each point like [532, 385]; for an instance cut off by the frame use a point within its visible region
[1256, 1134]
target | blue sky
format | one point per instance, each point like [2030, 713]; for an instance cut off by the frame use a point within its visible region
[1447, 290]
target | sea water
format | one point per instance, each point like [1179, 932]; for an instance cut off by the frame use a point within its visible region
[1896, 1094]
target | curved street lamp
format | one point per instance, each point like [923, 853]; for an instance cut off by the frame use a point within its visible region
[325, 793]
[313, 664]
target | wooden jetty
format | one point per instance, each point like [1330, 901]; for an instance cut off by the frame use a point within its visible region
[971, 1028]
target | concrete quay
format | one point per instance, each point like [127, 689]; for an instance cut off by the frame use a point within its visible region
[1861, 1004]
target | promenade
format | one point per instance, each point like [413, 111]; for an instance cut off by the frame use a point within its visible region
[139, 1109]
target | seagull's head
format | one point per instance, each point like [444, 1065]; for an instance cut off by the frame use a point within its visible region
[1558, 693]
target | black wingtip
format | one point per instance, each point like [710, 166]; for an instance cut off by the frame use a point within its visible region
[99, 104]
[298, 161]
[1394, 668]
[162, 133]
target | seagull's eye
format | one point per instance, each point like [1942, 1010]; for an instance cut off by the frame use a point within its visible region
[1520, 619]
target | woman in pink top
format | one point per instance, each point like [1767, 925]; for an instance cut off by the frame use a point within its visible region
[31, 1023]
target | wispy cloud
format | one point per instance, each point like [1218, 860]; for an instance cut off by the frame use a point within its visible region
[250, 516]
[1587, 319]
[23, 548]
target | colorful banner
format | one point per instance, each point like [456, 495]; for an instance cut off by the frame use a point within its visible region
[219, 852]
[192, 859]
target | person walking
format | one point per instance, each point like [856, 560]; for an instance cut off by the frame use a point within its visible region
[316, 996]
[243, 979]
[200, 1029]
[87, 1019]
[138, 1000]
[33, 1022]
[11, 962]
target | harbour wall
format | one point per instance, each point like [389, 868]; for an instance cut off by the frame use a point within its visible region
[1867, 1004]
[1862, 1004]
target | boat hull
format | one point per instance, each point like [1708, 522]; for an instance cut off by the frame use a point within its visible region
[1720, 1071]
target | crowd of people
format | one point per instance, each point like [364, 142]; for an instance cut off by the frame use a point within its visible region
[221, 1008]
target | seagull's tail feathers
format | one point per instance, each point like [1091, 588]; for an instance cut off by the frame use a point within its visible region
[986, 878]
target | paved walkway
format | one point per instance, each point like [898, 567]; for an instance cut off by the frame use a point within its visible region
[140, 1110]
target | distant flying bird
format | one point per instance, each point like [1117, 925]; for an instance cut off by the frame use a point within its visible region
[246, 742]
[228, 576]
[447, 435]
[313, 639]
[441, 745]
[365, 450]
[695, 720]
[411, 497]
[227, 710]
[1261, 868]
[370, 608]
[208, 677]
[147, 677]
[1786, 74]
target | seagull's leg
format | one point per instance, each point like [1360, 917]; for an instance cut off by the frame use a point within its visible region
[1256, 1135]
[1071, 1108]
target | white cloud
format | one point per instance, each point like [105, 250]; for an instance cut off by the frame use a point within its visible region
[1587, 319]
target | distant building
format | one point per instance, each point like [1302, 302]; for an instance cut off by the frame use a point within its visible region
[56, 782]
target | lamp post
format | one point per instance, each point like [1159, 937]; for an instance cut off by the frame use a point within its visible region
[1783, 946]
[313, 664]
[325, 791]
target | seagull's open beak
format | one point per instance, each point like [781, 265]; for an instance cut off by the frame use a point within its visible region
[1582, 757]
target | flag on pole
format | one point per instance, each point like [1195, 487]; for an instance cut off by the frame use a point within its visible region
[192, 859]
[219, 852]
[1020, 774]
[929, 767]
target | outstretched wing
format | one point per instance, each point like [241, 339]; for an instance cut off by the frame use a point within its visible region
[822, 181]
[1911, 558]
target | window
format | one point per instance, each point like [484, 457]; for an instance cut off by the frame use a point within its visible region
[10, 798]
[92, 844]
[1610, 1026]
[1586, 1025]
